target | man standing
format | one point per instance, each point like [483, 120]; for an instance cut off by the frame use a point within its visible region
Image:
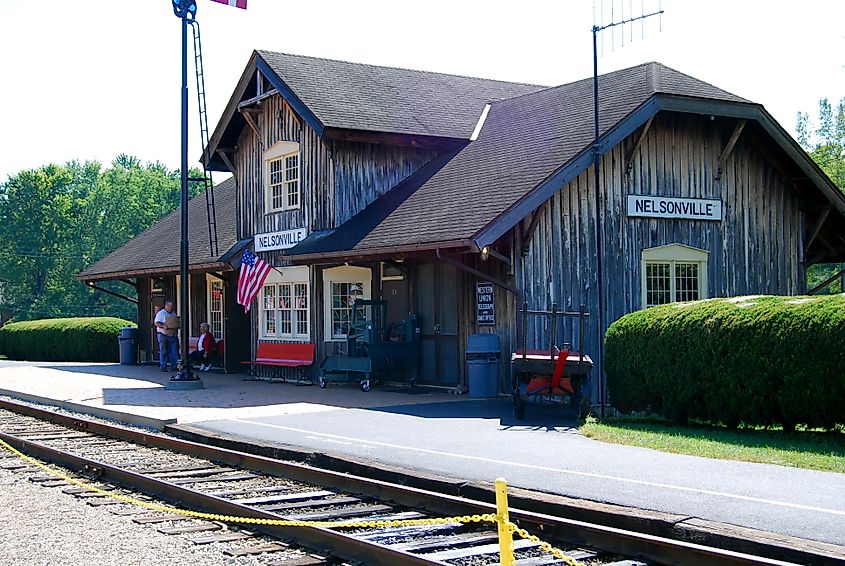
[168, 343]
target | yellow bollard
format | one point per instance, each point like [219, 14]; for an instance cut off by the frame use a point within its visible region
[505, 534]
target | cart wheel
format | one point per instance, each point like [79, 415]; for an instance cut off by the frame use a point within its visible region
[322, 382]
[365, 385]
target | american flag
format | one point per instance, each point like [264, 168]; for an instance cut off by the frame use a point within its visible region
[254, 271]
[235, 3]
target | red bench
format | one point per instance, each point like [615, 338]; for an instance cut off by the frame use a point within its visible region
[277, 355]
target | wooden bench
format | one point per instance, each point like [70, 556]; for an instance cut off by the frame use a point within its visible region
[277, 356]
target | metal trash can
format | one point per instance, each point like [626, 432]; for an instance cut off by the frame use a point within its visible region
[482, 357]
[127, 343]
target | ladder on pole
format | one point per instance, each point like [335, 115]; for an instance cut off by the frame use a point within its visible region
[209, 186]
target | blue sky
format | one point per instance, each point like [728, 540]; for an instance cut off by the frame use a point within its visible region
[89, 79]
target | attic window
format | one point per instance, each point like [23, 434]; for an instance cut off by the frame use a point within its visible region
[282, 177]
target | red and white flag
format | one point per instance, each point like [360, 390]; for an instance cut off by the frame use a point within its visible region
[254, 271]
[235, 3]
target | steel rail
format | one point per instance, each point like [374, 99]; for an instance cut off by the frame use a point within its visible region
[604, 538]
[347, 547]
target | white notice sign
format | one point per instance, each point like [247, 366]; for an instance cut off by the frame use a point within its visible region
[279, 240]
[667, 207]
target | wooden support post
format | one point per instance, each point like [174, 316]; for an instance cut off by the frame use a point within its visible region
[833, 251]
[629, 160]
[729, 148]
[826, 282]
[532, 227]
[817, 227]
[250, 122]
[92, 285]
[227, 161]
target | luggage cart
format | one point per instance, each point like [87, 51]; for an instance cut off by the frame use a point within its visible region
[374, 348]
[555, 374]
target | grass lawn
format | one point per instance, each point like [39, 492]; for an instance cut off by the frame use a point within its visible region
[814, 450]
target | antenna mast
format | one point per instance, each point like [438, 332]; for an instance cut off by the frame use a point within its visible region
[597, 153]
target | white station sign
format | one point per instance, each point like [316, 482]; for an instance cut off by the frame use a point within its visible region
[668, 207]
[279, 240]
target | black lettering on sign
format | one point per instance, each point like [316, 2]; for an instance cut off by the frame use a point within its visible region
[485, 302]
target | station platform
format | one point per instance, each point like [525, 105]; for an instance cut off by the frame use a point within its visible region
[458, 443]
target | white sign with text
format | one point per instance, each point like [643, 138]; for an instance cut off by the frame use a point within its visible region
[279, 240]
[668, 207]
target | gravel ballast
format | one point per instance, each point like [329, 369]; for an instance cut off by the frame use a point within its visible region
[43, 526]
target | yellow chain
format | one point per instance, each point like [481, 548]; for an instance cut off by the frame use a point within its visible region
[461, 519]
[544, 546]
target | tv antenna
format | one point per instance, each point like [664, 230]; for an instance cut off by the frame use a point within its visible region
[597, 29]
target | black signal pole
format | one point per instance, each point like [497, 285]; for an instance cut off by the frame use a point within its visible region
[185, 10]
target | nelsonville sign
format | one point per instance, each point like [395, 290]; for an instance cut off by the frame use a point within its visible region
[668, 207]
[279, 240]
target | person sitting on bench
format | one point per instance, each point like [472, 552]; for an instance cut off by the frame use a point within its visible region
[205, 348]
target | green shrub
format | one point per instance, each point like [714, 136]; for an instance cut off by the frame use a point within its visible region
[63, 339]
[758, 360]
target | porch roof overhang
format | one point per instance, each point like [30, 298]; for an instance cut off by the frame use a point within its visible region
[154, 271]
[386, 252]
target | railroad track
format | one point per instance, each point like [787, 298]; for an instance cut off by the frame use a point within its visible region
[216, 483]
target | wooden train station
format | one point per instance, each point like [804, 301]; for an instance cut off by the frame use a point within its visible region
[456, 200]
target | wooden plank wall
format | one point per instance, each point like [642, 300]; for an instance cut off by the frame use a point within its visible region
[365, 171]
[756, 248]
[337, 180]
[505, 308]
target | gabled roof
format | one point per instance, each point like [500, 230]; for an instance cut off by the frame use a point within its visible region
[528, 148]
[157, 249]
[369, 98]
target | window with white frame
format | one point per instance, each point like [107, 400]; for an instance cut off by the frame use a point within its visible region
[673, 273]
[215, 306]
[282, 177]
[285, 305]
[343, 286]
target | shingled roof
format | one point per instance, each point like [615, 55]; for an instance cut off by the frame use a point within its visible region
[157, 249]
[355, 96]
[528, 147]
[367, 98]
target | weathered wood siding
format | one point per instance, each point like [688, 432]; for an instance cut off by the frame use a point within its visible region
[337, 180]
[365, 171]
[756, 248]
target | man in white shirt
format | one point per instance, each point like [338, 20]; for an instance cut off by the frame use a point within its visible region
[168, 342]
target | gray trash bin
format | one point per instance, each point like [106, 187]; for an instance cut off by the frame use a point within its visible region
[127, 343]
[482, 358]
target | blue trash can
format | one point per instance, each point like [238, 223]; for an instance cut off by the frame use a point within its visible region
[482, 358]
[127, 343]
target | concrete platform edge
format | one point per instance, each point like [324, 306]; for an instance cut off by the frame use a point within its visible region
[677, 527]
[119, 416]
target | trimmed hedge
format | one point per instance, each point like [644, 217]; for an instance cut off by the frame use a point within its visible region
[756, 360]
[63, 339]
